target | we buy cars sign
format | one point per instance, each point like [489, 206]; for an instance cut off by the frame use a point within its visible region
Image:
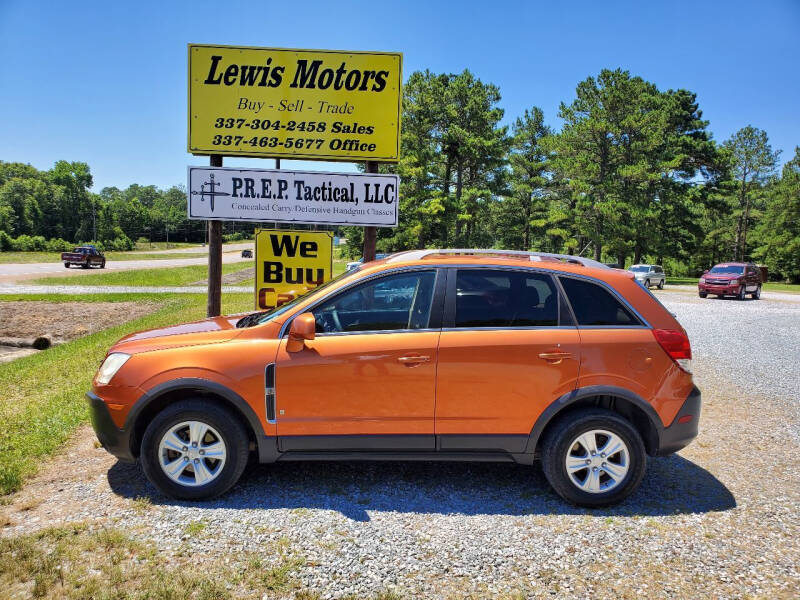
[290, 264]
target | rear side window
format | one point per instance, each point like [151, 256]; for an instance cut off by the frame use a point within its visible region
[494, 298]
[593, 305]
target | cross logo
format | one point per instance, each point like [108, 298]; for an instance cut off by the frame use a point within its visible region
[211, 191]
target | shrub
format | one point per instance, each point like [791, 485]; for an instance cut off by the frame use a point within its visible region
[6, 241]
[58, 245]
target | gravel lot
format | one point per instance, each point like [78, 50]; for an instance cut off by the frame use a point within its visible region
[720, 519]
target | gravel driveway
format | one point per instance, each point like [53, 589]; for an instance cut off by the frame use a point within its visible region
[720, 519]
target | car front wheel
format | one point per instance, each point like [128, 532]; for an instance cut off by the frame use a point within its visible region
[193, 450]
[593, 457]
[702, 294]
[661, 284]
[741, 294]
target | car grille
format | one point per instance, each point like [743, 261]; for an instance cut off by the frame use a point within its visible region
[717, 281]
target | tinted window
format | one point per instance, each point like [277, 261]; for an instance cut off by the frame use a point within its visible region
[400, 301]
[487, 298]
[594, 305]
[730, 270]
[639, 269]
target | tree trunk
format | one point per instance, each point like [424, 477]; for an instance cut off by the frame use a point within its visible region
[597, 251]
[459, 184]
[621, 260]
[637, 255]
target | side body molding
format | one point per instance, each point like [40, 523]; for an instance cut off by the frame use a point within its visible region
[574, 396]
[267, 445]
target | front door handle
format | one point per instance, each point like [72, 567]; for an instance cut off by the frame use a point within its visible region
[413, 360]
[554, 358]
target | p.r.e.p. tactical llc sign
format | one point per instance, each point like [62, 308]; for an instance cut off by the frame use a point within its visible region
[283, 196]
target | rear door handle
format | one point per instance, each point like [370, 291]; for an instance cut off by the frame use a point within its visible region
[554, 357]
[413, 360]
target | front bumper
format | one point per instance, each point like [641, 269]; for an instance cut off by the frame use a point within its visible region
[683, 429]
[722, 290]
[116, 441]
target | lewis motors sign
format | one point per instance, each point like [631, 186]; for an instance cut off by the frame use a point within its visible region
[270, 195]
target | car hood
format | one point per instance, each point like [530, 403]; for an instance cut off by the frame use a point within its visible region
[207, 331]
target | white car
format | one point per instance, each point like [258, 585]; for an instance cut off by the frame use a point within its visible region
[649, 275]
[360, 261]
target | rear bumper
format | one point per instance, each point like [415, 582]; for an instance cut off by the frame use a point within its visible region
[116, 441]
[683, 429]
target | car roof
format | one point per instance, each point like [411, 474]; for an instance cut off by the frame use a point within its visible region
[534, 260]
[732, 264]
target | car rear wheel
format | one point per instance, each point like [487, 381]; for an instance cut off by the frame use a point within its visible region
[593, 457]
[757, 294]
[193, 450]
[103, 265]
[85, 265]
[66, 265]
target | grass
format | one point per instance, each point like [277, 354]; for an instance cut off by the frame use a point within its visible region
[43, 394]
[81, 562]
[771, 286]
[143, 277]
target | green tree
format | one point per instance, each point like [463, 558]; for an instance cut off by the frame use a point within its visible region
[752, 163]
[524, 211]
[779, 231]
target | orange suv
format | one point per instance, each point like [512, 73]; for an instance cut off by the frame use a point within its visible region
[468, 355]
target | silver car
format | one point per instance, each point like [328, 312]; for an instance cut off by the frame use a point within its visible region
[649, 275]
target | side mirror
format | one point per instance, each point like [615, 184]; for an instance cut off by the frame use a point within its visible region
[706, 271]
[304, 327]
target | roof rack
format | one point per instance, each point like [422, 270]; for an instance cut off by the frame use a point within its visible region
[532, 256]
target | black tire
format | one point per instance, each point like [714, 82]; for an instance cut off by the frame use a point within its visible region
[555, 449]
[66, 265]
[85, 265]
[103, 265]
[757, 294]
[742, 294]
[647, 283]
[231, 430]
[661, 284]
[702, 294]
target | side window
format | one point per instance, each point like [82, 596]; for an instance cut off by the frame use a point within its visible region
[489, 298]
[594, 305]
[401, 301]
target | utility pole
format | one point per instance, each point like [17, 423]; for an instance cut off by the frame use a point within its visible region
[370, 233]
[214, 307]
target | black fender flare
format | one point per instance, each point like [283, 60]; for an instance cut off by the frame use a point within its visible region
[267, 444]
[570, 398]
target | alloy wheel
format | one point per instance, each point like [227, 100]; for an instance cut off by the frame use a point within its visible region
[597, 461]
[192, 453]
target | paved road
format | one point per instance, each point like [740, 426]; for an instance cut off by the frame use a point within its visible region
[198, 249]
[12, 272]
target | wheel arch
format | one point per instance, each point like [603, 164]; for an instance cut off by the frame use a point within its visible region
[629, 405]
[158, 398]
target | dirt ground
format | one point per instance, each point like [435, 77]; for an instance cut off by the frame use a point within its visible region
[66, 320]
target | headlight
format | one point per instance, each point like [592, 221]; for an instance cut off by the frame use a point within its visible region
[110, 366]
[701, 280]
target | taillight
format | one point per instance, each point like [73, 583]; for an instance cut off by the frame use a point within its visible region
[676, 344]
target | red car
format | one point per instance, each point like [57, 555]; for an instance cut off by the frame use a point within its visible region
[731, 279]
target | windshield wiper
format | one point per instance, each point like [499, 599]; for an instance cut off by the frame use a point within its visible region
[251, 319]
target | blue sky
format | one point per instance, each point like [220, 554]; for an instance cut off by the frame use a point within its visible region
[105, 82]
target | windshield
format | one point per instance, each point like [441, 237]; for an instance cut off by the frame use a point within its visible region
[269, 316]
[640, 269]
[731, 269]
